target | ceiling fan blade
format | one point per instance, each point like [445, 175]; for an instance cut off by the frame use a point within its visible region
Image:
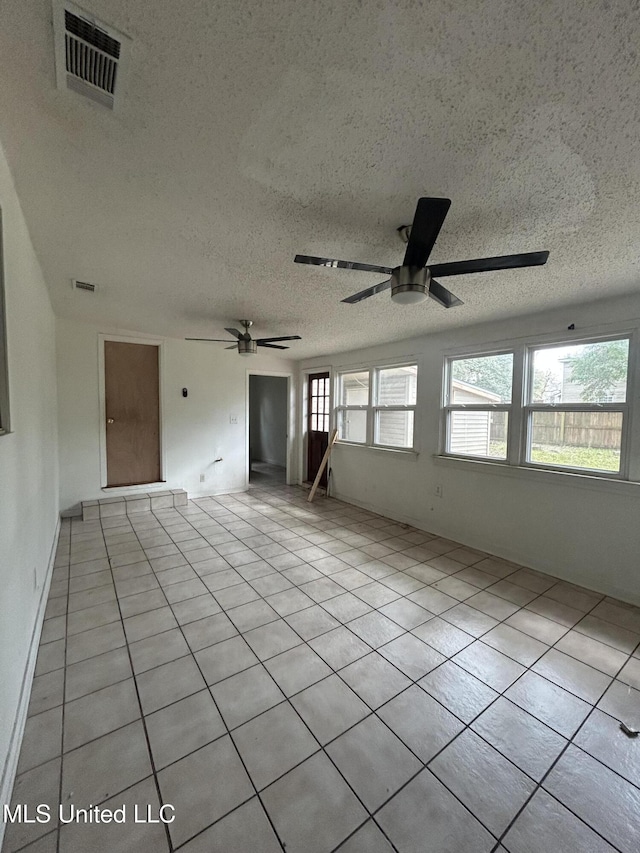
[235, 333]
[501, 262]
[215, 340]
[343, 265]
[285, 338]
[443, 296]
[271, 346]
[370, 291]
[427, 222]
[233, 346]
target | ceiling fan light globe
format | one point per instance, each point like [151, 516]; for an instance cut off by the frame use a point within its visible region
[409, 294]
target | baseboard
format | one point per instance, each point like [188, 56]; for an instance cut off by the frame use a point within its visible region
[494, 550]
[15, 742]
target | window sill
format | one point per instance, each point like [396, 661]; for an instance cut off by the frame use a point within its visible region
[399, 450]
[543, 475]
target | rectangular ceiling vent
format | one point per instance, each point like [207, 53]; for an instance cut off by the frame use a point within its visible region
[90, 56]
[83, 285]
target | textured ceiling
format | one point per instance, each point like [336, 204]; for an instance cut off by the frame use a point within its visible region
[251, 131]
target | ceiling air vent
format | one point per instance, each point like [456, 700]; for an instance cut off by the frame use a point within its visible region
[90, 56]
[83, 285]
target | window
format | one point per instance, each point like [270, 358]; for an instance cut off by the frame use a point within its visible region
[577, 405]
[477, 406]
[4, 371]
[559, 406]
[395, 406]
[376, 406]
[353, 404]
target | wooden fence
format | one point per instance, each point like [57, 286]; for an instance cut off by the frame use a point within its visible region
[576, 429]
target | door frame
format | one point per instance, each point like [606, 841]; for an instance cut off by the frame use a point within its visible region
[304, 413]
[129, 339]
[291, 424]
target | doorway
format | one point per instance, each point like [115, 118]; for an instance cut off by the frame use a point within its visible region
[268, 429]
[317, 424]
[132, 413]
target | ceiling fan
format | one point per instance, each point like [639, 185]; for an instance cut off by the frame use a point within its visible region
[245, 344]
[414, 280]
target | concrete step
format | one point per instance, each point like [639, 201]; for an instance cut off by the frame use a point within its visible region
[133, 503]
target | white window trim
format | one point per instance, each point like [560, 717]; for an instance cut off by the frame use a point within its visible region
[520, 409]
[373, 369]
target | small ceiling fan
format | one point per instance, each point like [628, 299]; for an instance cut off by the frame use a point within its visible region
[414, 280]
[245, 344]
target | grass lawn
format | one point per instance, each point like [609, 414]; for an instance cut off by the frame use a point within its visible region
[596, 458]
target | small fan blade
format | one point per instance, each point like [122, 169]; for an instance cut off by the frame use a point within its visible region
[285, 338]
[427, 222]
[215, 340]
[235, 333]
[343, 265]
[233, 346]
[370, 291]
[501, 262]
[271, 346]
[443, 296]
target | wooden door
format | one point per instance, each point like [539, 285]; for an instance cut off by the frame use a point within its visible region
[132, 407]
[317, 424]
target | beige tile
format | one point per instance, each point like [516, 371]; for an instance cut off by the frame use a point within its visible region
[171, 739]
[203, 787]
[167, 683]
[331, 810]
[488, 785]
[47, 691]
[373, 760]
[42, 739]
[329, 708]
[245, 828]
[40, 786]
[374, 679]
[578, 781]
[99, 769]
[582, 680]
[97, 672]
[545, 824]
[596, 654]
[459, 691]
[444, 821]
[100, 712]
[245, 695]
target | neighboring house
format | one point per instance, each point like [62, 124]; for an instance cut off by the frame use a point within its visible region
[471, 430]
[572, 391]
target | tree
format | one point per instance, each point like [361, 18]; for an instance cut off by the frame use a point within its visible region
[599, 368]
[491, 373]
[546, 386]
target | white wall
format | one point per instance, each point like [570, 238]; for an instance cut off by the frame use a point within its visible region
[28, 470]
[587, 533]
[196, 430]
[268, 419]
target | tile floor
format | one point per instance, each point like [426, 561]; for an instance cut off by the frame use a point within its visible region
[314, 678]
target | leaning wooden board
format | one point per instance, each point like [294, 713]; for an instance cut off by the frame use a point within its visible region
[323, 464]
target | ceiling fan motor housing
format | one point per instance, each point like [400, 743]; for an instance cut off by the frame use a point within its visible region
[410, 284]
[247, 347]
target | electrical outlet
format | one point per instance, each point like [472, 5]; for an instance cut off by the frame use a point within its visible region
[202, 478]
[438, 491]
[233, 419]
[35, 579]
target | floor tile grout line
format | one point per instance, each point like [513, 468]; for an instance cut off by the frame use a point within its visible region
[208, 688]
[376, 609]
[142, 720]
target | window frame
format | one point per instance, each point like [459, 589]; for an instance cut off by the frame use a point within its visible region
[340, 409]
[5, 413]
[372, 408]
[521, 410]
[376, 408]
[529, 408]
[448, 407]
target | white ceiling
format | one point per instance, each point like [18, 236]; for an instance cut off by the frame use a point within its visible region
[251, 131]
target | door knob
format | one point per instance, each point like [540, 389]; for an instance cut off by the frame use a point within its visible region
[109, 420]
